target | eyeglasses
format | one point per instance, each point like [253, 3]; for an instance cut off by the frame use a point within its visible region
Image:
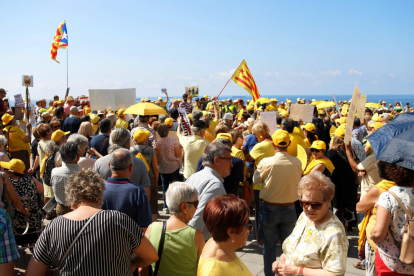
[314, 205]
[228, 158]
[56, 127]
[195, 203]
[314, 150]
[249, 225]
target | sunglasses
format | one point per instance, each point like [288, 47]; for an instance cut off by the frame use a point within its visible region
[314, 205]
[249, 225]
[56, 127]
[195, 203]
[315, 150]
[227, 158]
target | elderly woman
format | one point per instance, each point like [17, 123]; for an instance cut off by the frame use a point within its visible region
[227, 220]
[180, 239]
[318, 243]
[27, 188]
[150, 158]
[342, 176]
[3, 156]
[104, 248]
[391, 220]
[169, 166]
[86, 130]
[320, 162]
[84, 162]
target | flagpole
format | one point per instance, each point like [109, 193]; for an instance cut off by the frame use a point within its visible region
[229, 79]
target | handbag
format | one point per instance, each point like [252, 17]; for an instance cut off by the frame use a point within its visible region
[55, 271]
[160, 249]
[407, 242]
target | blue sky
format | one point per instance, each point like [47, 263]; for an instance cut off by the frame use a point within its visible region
[291, 47]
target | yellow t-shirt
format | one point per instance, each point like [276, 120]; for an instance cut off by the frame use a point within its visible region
[16, 136]
[368, 144]
[121, 123]
[193, 149]
[282, 109]
[210, 106]
[235, 152]
[209, 136]
[295, 140]
[162, 104]
[87, 110]
[299, 131]
[261, 150]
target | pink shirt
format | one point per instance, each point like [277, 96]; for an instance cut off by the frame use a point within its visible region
[66, 107]
[168, 161]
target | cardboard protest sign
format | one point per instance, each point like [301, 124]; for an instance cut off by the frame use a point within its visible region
[302, 112]
[27, 80]
[269, 118]
[102, 99]
[361, 108]
[191, 91]
[351, 115]
[18, 100]
[186, 126]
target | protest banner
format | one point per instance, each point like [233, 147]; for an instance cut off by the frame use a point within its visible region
[113, 99]
[191, 91]
[351, 115]
[269, 118]
[185, 123]
[361, 108]
[302, 112]
[18, 100]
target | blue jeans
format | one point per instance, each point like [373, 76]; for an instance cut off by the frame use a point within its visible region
[276, 222]
[166, 179]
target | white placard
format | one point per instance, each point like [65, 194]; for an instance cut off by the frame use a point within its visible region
[164, 90]
[114, 99]
[351, 115]
[361, 108]
[27, 80]
[302, 112]
[269, 118]
[18, 100]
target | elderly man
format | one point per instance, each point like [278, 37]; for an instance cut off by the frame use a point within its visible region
[385, 118]
[193, 145]
[185, 104]
[69, 103]
[230, 107]
[72, 123]
[101, 141]
[121, 138]
[122, 194]
[209, 106]
[197, 105]
[196, 115]
[209, 181]
[69, 152]
[280, 176]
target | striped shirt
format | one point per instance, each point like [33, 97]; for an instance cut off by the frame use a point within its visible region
[104, 247]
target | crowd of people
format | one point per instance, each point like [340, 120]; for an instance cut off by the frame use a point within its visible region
[95, 176]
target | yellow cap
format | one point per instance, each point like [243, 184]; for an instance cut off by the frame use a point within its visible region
[269, 108]
[141, 134]
[205, 113]
[6, 118]
[226, 136]
[310, 127]
[61, 102]
[179, 100]
[285, 114]
[318, 144]
[160, 99]
[142, 100]
[168, 122]
[289, 101]
[340, 132]
[121, 112]
[377, 125]
[94, 118]
[299, 99]
[250, 107]
[281, 138]
[189, 115]
[59, 134]
[205, 96]
[14, 165]
[55, 103]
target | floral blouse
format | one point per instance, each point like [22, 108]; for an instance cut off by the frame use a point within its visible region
[322, 247]
[388, 249]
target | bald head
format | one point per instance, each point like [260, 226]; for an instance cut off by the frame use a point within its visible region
[206, 120]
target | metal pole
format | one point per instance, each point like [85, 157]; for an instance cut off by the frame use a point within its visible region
[67, 68]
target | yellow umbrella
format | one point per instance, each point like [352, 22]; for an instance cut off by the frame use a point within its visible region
[262, 100]
[325, 105]
[373, 105]
[145, 109]
[317, 102]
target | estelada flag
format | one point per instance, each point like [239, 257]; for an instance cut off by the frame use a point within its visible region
[243, 77]
[60, 41]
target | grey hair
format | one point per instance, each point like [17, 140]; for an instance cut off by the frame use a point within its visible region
[162, 118]
[196, 115]
[120, 160]
[119, 139]
[3, 140]
[69, 152]
[225, 142]
[51, 147]
[317, 181]
[213, 150]
[163, 130]
[79, 139]
[177, 193]
[197, 130]
[85, 185]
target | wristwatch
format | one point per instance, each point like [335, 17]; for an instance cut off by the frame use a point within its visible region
[300, 271]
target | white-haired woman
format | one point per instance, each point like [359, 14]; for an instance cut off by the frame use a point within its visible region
[181, 239]
[84, 162]
[318, 243]
[103, 248]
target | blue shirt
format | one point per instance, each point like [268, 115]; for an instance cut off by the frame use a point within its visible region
[231, 182]
[251, 141]
[129, 198]
[97, 141]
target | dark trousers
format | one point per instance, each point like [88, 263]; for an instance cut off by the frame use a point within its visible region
[166, 179]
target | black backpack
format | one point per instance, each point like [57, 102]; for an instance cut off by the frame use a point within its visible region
[49, 166]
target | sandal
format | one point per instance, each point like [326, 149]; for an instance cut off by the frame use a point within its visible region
[359, 265]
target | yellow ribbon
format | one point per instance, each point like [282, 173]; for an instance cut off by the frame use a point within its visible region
[42, 167]
[140, 156]
[328, 164]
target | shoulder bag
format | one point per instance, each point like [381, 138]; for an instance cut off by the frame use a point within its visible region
[55, 271]
[160, 249]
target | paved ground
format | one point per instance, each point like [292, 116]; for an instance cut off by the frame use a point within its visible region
[251, 255]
